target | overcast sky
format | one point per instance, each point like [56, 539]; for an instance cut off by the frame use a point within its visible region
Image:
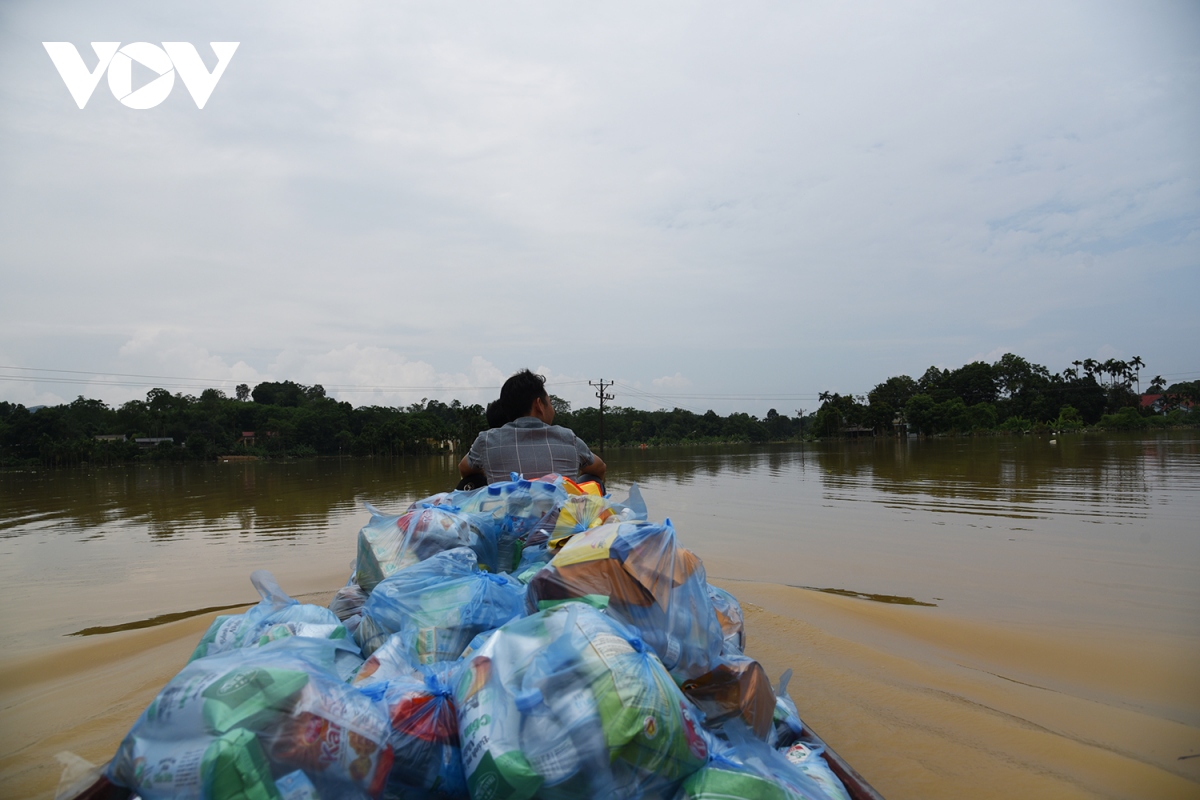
[718, 205]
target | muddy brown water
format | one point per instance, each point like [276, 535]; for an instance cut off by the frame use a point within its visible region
[992, 617]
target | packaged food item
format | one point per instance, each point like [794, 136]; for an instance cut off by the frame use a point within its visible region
[229, 632]
[390, 660]
[640, 574]
[296, 786]
[214, 726]
[570, 703]
[231, 765]
[737, 687]
[733, 622]
[336, 734]
[423, 731]
[217, 695]
[579, 513]
[437, 606]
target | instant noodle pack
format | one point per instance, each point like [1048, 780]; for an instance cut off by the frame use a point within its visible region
[530, 639]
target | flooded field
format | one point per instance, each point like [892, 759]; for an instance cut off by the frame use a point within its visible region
[992, 617]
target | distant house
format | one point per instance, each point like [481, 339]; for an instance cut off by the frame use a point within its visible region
[111, 437]
[855, 431]
[147, 442]
[248, 437]
[1158, 403]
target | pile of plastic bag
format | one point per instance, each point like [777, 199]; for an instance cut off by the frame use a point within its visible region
[530, 639]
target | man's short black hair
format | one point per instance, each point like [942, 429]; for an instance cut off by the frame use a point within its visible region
[519, 392]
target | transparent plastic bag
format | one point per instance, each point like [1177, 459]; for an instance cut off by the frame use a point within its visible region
[277, 615]
[228, 723]
[437, 606]
[638, 572]
[738, 687]
[388, 544]
[348, 601]
[808, 757]
[570, 703]
[533, 558]
[521, 512]
[803, 750]
[743, 766]
[733, 621]
[424, 730]
[788, 727]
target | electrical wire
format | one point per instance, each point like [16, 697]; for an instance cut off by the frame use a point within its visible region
[177, 382]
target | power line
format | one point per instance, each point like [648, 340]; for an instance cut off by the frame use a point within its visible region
[178, 382]
[644, 395]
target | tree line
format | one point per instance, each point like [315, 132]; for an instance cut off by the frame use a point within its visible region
[287, 419]
[1012, 394]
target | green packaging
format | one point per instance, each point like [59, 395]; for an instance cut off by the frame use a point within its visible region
[235, 768]
[201, 700]
[718, 783]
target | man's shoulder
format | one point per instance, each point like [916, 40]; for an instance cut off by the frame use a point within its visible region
[559, 430]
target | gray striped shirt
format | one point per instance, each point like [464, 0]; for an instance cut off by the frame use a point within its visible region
[530, 447]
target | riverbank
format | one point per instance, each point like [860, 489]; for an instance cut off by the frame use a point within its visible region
[923, 704]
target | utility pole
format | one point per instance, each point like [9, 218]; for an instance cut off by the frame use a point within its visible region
[601, 386]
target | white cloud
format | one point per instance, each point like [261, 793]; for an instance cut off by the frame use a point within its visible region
[672, 382]
[783, 199]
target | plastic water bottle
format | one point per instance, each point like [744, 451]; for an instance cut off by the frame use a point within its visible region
[548, 748]
[518, 518]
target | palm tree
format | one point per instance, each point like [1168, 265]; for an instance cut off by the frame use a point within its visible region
[824, 397]
[1137, 365]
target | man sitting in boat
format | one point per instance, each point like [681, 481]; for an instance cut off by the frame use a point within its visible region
[529, 444]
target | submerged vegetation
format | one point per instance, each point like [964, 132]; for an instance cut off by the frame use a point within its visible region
[286, 419]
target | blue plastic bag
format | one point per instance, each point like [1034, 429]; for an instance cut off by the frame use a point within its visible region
[743, 766]
[733, 621]
[638, 572]
[227, 723]
[388, 544]
[570, 703]
[437, 606]
[277, 615]
[424, 730]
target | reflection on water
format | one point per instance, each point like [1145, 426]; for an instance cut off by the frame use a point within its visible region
[261, 499]
[1088, 528]
[1023, 477]
[1019, 477]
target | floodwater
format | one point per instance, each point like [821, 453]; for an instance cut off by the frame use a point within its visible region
[991, 617]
